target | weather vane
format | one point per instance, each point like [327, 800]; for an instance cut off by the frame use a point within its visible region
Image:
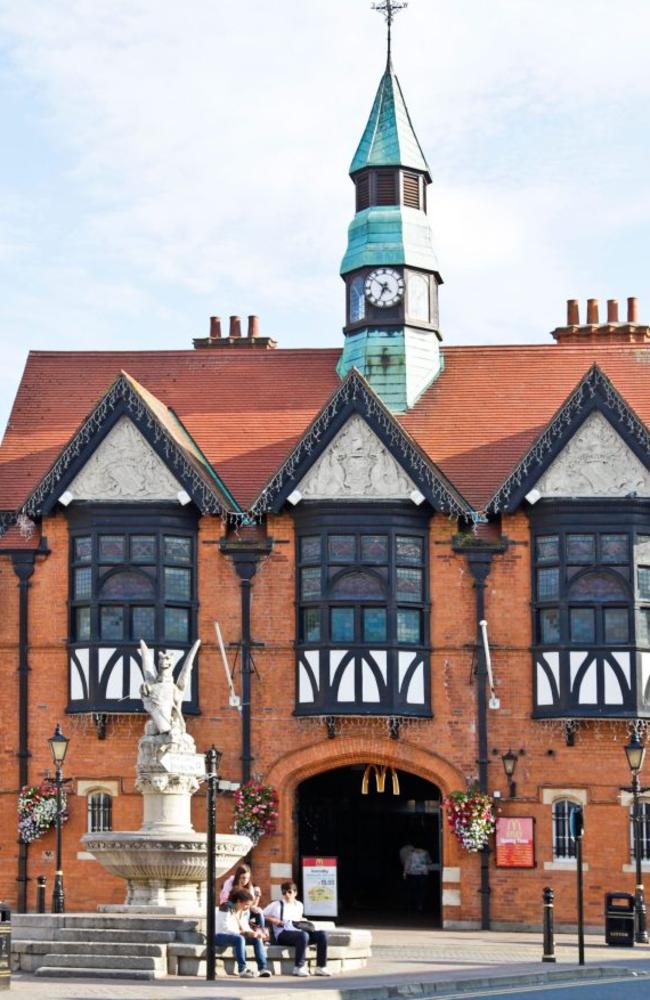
[389, 8]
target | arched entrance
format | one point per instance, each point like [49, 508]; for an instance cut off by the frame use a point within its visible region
[366, 833]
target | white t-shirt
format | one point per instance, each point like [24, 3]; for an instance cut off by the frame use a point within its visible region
[280, 909]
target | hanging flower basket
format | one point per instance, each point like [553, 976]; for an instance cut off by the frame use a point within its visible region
[256, 810]
[37, 810]
[471, 817]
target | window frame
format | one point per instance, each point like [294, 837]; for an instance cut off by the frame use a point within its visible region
[105, 809]
[568, 856]
[644, 805]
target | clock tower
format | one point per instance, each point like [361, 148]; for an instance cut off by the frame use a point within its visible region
[390, 269]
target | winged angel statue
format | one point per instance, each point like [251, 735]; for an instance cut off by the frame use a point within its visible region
[161, 696]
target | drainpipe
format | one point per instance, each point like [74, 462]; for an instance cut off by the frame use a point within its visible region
[479, 560]
[23, 563]
[246, 556]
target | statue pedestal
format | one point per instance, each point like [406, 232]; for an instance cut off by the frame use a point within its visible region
[165, 861]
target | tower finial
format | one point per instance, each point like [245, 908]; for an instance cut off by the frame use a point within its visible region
[389, 8]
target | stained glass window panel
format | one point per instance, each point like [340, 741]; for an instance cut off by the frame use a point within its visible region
[616, 623]
[342, 624]
[112, 548]
[82, 583]
[409, 625]
[643, 627]
[548, 584]
[374, 624]
[374, 548]
[408, 549]
[310, 549]
[143, 548]
[341, 548]
[111, 622]
[311, 624]
[82, 624]
[548, 548]
[83, 549]
[644, 583]
[357, 300]
[143, 623]
[583, 627]
[613, 548]
[177, 549]
[177, 584]
[310, 584]
[598, 587]
[357, 586]
[580, 549]
[177, 624]
[549, 625]
[409, 584]
[128, 585]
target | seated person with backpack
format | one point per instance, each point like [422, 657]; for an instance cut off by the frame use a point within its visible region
[233, 930]
[285, 916]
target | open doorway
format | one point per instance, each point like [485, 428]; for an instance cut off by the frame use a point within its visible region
[366, 833]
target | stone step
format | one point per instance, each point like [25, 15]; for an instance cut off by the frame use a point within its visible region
[57, 972]
[102, 934]
[118, 949]
[90, 961]
[24, 923]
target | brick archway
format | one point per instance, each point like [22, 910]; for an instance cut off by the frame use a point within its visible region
[296, 766]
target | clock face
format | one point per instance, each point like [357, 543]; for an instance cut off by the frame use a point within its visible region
[384, 287]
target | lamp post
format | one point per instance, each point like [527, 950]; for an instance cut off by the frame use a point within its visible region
[59, 747]
[509, 761]
[212, 761]
[635, 753]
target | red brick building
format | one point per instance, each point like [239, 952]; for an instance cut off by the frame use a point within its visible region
[348, 517]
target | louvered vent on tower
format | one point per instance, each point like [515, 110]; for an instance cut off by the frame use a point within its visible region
[385, 187]
[411, 190]
[363, 192]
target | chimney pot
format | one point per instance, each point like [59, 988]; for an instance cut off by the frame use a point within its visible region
[633, 310]
[592, 312]
[235, 326]
[253, 326]
[572, 312]
[612, 310]
[215, 327]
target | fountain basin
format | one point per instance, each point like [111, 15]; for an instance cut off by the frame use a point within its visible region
[164, 869]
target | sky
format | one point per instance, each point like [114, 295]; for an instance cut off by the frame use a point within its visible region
[163, 162]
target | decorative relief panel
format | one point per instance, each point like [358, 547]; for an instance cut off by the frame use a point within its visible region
[124, 467]
[356, 466]
[595, 463]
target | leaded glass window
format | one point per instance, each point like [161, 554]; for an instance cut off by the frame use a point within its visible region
[100, 812]
[361, 583]
[564, 845]
[357, 299]
[644, 817]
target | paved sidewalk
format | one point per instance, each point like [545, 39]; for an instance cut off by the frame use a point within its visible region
[413, 963]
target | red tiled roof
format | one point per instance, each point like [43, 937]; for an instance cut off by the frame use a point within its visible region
[247, 409]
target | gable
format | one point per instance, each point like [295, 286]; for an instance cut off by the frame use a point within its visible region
[356, 466]
[124, 467]
[595, 463]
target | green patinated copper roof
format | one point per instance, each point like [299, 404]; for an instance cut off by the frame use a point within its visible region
[389, 139]
[390, 234]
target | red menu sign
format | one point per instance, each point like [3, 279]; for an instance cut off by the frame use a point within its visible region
[515, 842]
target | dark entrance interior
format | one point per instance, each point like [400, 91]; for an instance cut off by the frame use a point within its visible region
[365, 833]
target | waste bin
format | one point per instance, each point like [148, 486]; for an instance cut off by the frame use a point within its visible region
[5, 946]
[619, 919]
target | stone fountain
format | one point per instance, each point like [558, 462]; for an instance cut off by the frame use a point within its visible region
[164, 863]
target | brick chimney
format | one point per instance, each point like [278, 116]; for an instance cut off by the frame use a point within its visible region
[612, 331]
[235, 339]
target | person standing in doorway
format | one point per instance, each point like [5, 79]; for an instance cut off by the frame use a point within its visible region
[416, 871]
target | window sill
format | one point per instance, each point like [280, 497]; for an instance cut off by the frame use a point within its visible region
[631, 869]
[569, 865]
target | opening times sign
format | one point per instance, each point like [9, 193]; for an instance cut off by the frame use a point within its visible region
[515, 842]
[319, 887]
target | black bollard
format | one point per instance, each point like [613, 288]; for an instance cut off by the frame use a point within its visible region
[549, 934]
[40, 893]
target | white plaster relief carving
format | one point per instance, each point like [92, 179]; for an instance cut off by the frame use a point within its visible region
[595, 463]
[356, 466]
[124, 467]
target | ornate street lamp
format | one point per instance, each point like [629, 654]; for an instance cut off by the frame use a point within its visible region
[212, 761]
[59, 747]
[635, 753]
[509, 761]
